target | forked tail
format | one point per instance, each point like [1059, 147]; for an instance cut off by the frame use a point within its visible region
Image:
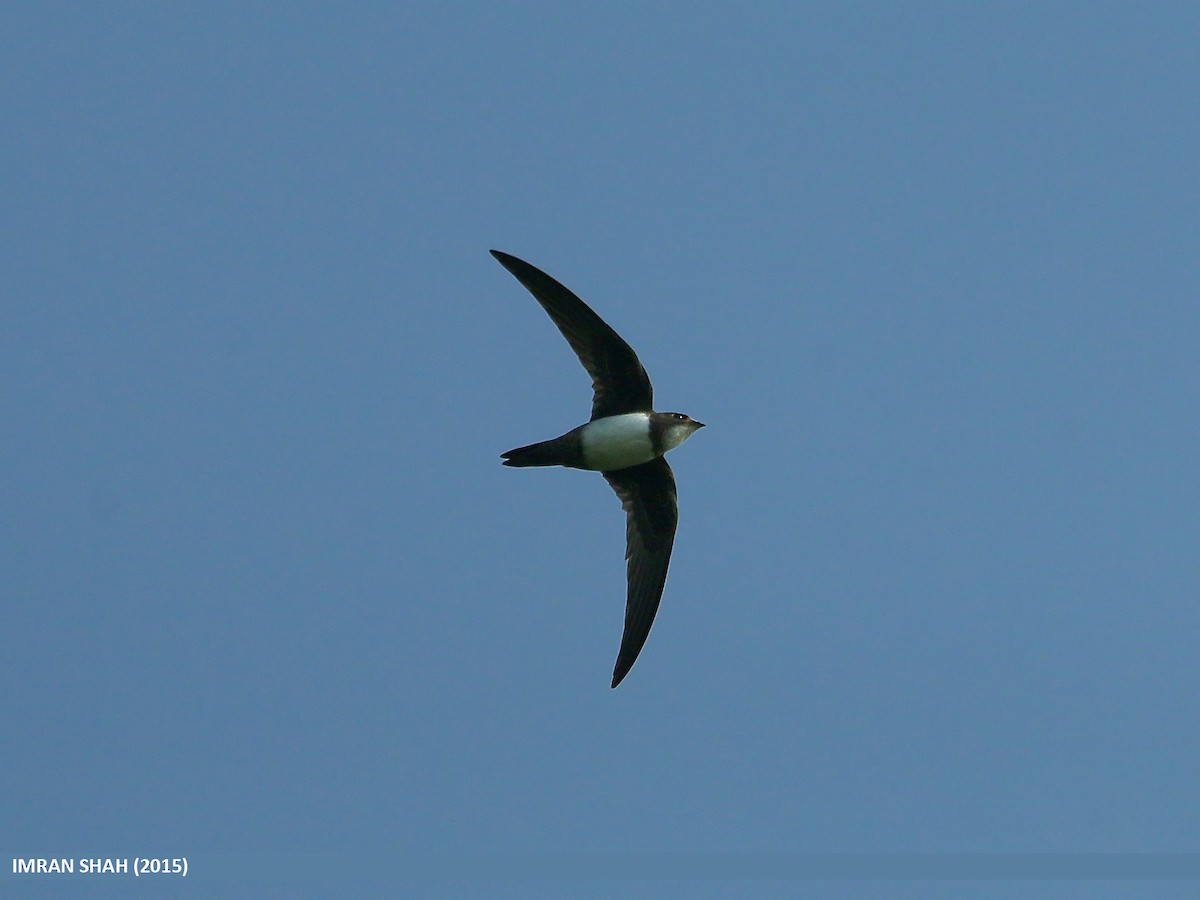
[543, 453]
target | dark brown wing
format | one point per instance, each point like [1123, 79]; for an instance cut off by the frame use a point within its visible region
[648, 494]
[619, 383]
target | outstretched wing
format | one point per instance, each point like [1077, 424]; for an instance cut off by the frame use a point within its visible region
[619, 383]
[648, 494]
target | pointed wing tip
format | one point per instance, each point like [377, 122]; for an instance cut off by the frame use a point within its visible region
[622, 668]
[512, 263]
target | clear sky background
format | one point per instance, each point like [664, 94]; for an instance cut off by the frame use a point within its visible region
[929, 272]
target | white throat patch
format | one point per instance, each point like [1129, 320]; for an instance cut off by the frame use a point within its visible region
[674, 435]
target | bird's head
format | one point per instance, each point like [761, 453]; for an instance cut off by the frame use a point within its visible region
[677, 428]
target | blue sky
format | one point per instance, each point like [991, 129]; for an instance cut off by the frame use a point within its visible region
[927, 271]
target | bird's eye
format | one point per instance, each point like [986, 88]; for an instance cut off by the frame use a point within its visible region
[679, 415]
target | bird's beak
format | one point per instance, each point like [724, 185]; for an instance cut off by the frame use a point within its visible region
[698, 424]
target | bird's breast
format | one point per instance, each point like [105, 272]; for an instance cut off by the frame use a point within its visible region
[617, 442]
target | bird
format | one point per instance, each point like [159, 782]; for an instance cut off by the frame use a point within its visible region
[625, 441]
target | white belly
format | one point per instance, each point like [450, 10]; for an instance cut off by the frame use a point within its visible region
[617, 442]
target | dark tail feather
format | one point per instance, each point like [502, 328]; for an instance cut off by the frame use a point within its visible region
[544, 453]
